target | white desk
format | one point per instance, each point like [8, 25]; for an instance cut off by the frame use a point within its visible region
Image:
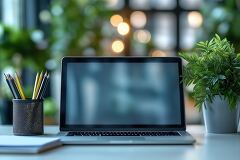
[207, 147]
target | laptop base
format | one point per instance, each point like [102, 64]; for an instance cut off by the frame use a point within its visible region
[185, 138]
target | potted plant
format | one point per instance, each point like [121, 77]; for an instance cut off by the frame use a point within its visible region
[214, 70]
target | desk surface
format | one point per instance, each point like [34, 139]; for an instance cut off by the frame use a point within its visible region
[208, 146]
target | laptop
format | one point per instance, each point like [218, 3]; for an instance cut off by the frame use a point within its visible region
[122, 100]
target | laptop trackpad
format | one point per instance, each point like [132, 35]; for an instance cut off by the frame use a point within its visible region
[121, 139]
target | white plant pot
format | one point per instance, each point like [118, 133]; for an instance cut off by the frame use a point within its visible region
[218, 117]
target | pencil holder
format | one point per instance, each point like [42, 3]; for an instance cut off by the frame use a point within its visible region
[27, 117]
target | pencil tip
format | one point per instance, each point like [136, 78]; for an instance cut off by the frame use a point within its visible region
[45, 74]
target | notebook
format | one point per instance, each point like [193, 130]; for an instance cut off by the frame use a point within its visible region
[21, 144]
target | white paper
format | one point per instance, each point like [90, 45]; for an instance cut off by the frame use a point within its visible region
[24, 141]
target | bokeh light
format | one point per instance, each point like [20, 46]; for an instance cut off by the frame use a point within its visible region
[143, 36]
[117, 46]
[123, 28]
[57, 10]
[116, 20]
[138, 19]
[37, 36]
[158, 53]
[195, 19]
[45, 16]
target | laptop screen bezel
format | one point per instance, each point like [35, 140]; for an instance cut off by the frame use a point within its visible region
[67, 127]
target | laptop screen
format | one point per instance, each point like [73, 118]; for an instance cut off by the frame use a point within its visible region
[131, 93]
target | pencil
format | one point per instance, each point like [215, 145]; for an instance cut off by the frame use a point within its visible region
[16, 87]
[43, 83]
[12, 83]
[39, 83]
[35, 87]
[45, 87]
[7, 80]
[19, 86]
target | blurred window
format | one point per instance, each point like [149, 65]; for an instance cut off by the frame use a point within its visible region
[172, 25]
[152, 4]
[148, 25]
[10, 12]
[165, 31]
[115, 4]
[189, 25]
[190, 4]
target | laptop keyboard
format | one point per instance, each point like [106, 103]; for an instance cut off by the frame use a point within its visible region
[123, 133]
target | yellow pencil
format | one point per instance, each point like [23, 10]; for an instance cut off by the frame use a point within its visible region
[35, 86]
[19, 86]
[38, 84]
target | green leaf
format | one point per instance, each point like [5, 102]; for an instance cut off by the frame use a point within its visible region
[214, 68]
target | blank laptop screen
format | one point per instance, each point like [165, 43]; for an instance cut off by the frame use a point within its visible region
[122, 93]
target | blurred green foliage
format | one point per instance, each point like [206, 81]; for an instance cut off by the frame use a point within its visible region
[223, 18]
[20, 48]
[77, 27]
[50, 107]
